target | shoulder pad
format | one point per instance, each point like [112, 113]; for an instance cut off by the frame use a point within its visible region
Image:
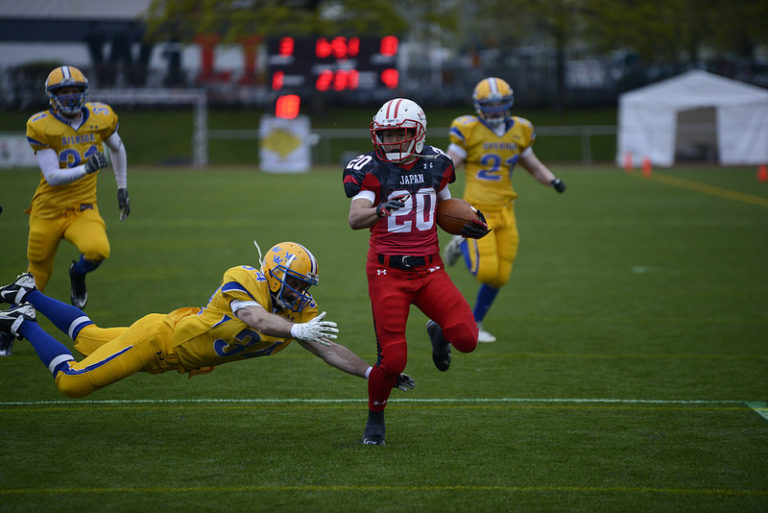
[463, 120]
[101, 110]
[99, 106]
[434, 152]
[355, 171]
[522, 121]
[38, 115]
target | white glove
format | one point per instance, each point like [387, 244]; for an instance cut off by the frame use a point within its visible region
[316, 330]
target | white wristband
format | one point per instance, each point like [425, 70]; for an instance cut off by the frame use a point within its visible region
[368, 372]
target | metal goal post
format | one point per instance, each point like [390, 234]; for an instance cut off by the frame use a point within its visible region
[158, 96]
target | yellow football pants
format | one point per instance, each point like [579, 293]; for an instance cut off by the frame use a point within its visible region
[144, 346]
[491, 258]
[85, 229]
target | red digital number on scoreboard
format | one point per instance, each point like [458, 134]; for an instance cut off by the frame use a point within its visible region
[388, 46]
[333, 63]
[287, 106]
[286, 47]
[339, 80]
[390, 78]
[339, 47]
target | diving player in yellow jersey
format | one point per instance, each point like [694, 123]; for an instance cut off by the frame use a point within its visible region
[490, 144]
[254, 312]
[68, 143]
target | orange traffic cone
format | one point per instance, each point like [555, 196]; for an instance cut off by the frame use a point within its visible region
[762, 173]
[628, 162]
[646, 166]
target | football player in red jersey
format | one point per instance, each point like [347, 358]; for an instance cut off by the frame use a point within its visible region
[395, 190]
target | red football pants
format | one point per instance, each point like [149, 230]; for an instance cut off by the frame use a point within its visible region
[392, 292]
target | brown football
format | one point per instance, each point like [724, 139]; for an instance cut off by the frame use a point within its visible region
[453, 214]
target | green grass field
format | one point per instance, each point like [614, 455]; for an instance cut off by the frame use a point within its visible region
[629, 375]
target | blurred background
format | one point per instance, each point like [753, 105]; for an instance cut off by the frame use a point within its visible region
[215, 67]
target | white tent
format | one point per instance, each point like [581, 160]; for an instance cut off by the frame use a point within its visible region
[695, 114]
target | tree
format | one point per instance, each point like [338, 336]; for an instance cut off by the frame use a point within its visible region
[507, 24]
[182, 20]
[677, 31]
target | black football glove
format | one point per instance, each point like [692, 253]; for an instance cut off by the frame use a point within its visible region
[95, 162]
[386, 208]
[405, 382]
[123, 203]
[477, 228]
[558, 185]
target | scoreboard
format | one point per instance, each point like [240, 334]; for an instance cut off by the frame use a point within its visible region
[332, 64]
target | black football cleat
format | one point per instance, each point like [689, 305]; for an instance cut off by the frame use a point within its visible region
[6, 344]
[374, 440]
[374, 432]
[12, 319]
[79, 294]
[441, 349]
[15, 292]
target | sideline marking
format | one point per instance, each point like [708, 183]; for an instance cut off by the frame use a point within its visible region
[363, 488]
[707, 189]
[759, 407]
[257, 400]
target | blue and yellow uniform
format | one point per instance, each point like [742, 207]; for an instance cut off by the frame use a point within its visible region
[68, 210]
[489, 163]
[188, 340]
[48, 129]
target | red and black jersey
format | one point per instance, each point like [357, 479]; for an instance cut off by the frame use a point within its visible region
[410, 230]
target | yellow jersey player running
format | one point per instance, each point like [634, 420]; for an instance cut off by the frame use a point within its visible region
[254, 312]
[490, 144]
[68, 143]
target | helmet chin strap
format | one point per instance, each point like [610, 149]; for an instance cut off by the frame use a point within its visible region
[278, 298]
[258, 248]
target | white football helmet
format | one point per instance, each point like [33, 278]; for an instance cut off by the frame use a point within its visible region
[289, 261]
[493, 97]
[398, 114]
[66, 76]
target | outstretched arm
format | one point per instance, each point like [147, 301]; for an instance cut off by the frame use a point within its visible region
[314, 336]
[264, 322]
[316, 330]
[339, 356]
[334, 354]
